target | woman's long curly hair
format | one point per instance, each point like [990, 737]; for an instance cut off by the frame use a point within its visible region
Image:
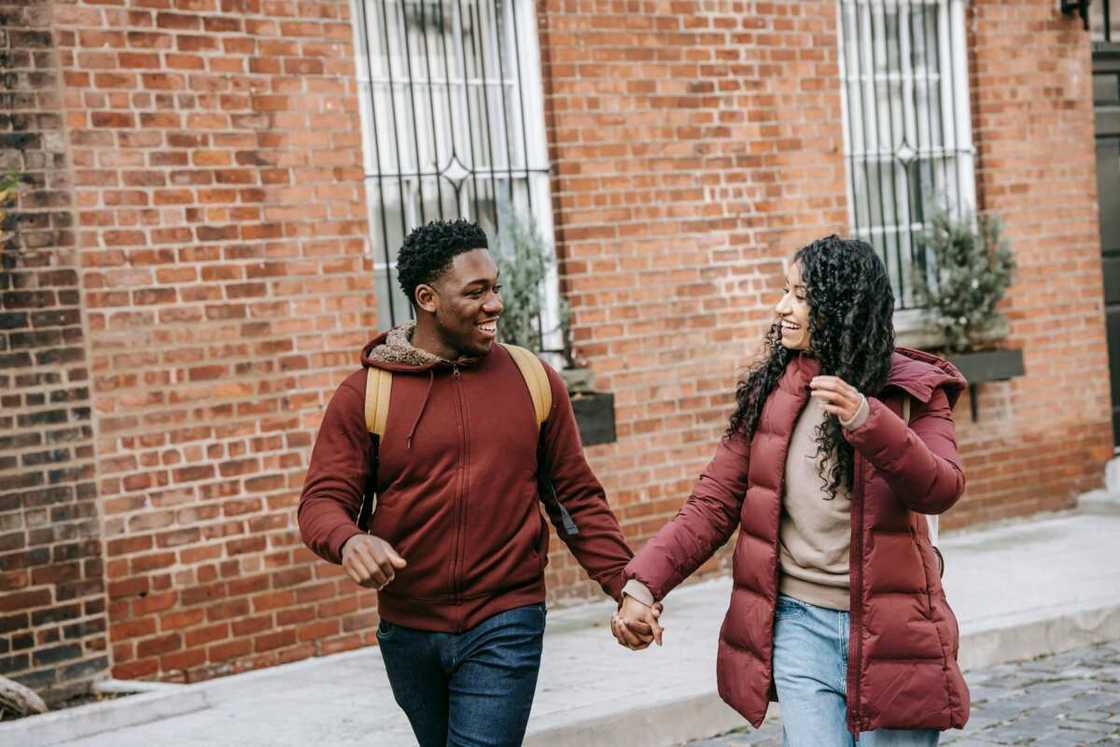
[851, 332]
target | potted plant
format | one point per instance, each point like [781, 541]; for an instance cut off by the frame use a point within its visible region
[524, 259]
[964, 270]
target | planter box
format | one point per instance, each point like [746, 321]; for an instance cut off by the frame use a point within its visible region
[984, 366]
[989, 365]
[595, 417]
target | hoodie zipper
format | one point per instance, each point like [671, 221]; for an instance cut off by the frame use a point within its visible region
[856, 628]
[460, 497]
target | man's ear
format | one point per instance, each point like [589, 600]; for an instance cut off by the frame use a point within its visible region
[426, 298]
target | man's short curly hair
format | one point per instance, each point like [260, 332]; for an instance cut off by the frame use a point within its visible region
[429, 250]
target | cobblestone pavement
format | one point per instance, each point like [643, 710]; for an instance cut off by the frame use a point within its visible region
[1058, 701]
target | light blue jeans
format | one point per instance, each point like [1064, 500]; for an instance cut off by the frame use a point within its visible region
[811, 676]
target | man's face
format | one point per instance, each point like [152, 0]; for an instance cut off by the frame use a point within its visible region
[467, 305]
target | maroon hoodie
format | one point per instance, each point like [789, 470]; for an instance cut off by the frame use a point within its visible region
[456, 478]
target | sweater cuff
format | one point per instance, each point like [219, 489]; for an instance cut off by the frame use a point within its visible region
[859, 418]
[638, 591]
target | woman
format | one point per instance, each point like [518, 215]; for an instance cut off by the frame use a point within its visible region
[837, 608]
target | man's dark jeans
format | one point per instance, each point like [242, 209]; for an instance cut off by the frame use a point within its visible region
[467, 689]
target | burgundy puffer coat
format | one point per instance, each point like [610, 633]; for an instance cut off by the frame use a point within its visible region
[902, 671]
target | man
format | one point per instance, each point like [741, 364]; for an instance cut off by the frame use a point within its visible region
[457, 544]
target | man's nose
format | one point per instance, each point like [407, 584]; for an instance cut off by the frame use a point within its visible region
[494, 305]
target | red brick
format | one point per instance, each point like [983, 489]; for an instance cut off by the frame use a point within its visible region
[159, 645]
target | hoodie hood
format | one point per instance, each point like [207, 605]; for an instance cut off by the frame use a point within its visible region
[394, 351]
[919, 374]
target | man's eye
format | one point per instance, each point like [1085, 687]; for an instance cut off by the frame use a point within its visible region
[497, 289]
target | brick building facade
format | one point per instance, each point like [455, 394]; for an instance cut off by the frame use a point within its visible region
[187, 275]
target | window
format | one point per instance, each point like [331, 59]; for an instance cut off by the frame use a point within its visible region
[453, 125]
[907, 126]
[1104, 21]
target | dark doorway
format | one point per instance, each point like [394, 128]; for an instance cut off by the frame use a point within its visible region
[1106, 102]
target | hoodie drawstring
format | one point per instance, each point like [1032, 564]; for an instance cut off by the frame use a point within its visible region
[423, 405]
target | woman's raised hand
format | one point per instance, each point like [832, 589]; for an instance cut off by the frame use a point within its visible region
[837, 396]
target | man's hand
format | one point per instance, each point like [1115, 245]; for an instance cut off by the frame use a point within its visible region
[635, 625]
[371, 561]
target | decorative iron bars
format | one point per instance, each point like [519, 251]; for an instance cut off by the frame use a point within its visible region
[907, 128]
[1104, 21]
[453, 121]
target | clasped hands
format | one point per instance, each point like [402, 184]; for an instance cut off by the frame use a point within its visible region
[636, 625]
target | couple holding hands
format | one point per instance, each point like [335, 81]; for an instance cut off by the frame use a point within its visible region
[838, 444]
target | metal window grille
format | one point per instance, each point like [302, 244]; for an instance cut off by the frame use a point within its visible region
[1104, 21]
[453, 124]
[907, 127]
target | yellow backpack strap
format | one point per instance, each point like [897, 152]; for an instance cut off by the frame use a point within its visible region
[379, 383]
[532, 370]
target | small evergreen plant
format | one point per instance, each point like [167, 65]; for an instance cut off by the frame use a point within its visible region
[969, 269]
[524, 259]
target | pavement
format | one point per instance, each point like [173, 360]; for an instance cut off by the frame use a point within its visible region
[1067, 700]
[1040, 586]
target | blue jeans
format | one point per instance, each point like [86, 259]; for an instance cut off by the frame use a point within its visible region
[811, 676]
[472, 688]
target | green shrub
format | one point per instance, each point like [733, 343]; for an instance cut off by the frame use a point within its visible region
[524, 259]
[969, 269]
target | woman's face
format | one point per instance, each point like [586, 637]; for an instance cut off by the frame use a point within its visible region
[793, 311]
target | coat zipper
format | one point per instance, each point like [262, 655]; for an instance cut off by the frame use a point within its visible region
[855, 645]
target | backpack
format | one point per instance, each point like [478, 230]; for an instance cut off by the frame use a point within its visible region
[379, 384]
[933, 521]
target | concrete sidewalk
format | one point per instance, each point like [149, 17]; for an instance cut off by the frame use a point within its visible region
[1039, 586]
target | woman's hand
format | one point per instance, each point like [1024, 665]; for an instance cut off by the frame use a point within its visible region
[635, 625]
[837, 397]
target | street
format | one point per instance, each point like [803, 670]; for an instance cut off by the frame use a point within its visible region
[1058, 701]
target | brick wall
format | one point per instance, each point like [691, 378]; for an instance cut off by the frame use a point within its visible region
[1042, 439]
[52, 595]
[694, 146]
[671, 242]
[220, 224]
